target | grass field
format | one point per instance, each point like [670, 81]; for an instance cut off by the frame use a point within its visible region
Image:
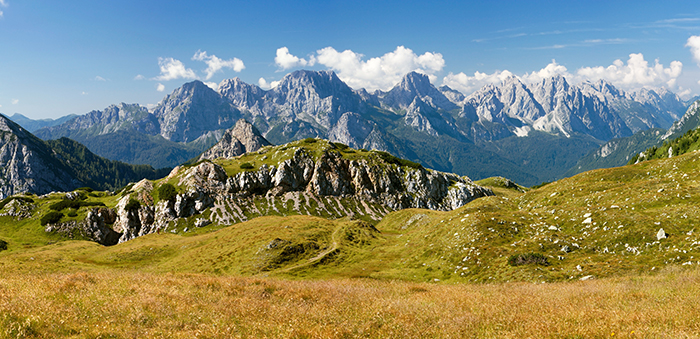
[123, 303]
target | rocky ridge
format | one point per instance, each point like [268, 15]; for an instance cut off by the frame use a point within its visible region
[314, 178]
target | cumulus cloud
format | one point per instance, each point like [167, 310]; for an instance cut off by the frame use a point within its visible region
[286, 60]
[160, 87]
[3, 3]
[15, 101]
[139, 77]
[215, 64]
[552, 69]
[468, 84]
[171, 69]
[694, 44]
[635, 73]
[379, 72]
[212, 85]
[267, 85]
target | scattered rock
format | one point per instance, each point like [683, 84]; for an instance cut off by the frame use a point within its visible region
[661, 234]
[587, 277]
[566, 249]
[201, 222]
[553, 228]
[588, 221]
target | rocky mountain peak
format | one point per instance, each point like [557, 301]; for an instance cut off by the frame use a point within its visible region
[240, 139]
[414, 85]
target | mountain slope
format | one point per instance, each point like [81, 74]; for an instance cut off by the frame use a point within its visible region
[30, 164]
[32, 125]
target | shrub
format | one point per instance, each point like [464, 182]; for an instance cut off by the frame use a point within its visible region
[132, 205]
[247, 166]
[3, 245]
[86, 189]
[51, 218]
[339, 145]
[72, 213]
[528, 258]
[310, 140]
[167, 192]
[398, 161]
[65, 203]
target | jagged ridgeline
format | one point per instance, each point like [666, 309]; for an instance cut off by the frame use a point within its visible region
[308, 177]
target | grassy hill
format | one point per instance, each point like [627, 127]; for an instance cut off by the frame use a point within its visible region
[600, 223]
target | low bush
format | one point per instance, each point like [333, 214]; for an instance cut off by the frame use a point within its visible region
[310, 140]
[167, 192]
[132, 205]
[528, 258]
[65, 203]
[51, 218]
[247, 166]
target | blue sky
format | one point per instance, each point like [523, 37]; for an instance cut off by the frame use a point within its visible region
[58, 58]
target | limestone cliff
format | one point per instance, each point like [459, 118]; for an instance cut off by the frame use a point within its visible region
[312, 177]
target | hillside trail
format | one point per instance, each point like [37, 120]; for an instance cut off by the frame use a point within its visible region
[323, 254]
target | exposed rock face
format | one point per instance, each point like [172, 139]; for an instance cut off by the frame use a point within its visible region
[95, 227]
[242, 138]
[27, 164]
[329, 185]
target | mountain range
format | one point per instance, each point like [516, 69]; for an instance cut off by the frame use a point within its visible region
[529, 132]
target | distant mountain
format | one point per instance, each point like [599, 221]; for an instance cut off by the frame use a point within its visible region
[30, 164]
[620, 151]
[500, 129]
[32, 125]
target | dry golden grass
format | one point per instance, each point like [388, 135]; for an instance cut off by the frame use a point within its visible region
[129, 304]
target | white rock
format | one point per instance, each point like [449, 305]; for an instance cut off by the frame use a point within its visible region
[586, 277]
[661, 234]
[588, 221]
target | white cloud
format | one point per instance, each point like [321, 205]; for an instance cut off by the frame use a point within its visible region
[215, 64]
[380, 72]
[15, 101]
[99, 78]
[286, 60]
[139, 77]
[84, 93]
[635, 73]
[171, 69]
[468, 84]
[267, 85]
[3, 3]
[548, 71]
[212, 85]
[694, 44]
[160, 87]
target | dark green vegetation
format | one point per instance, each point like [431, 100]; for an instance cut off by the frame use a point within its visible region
[167, 191]
[100, 173]
[690, 141]
[51, 218]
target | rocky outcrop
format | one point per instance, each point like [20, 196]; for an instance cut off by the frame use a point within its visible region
[95, 227]
[327, 185]
[242, 138]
